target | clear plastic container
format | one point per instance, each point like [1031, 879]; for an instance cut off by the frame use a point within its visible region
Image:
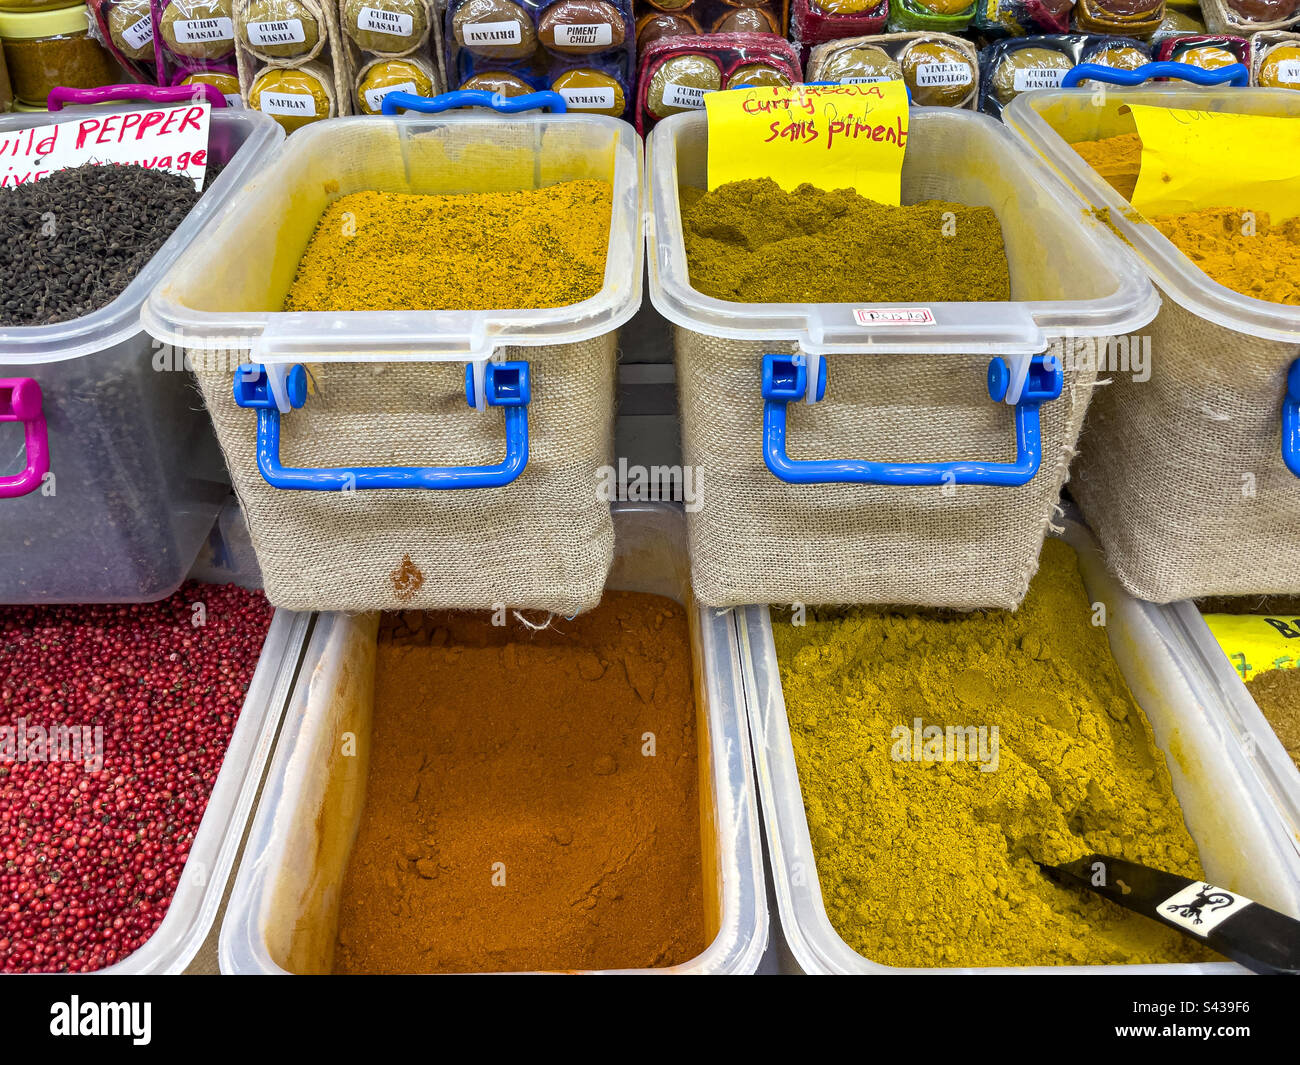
[137, 475]
[1242, 840]
[1263, 750]
[1051, 119]
[283, 909]
[227, 294]
[1065, 278]
[202, 882]
[228, 556]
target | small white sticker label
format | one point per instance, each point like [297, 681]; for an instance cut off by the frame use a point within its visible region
[399, 25]
[938, 74]
[1202, 907]
[584, 35]
[1024, 80]
[234, 100]
[139, 34]
[288, 103]
[894, 316]
[867, 81]
[198, 30]
[288, 31]
[375, 97]
[678, 95]
[482, 33]
[589, 99]
[1288, 71]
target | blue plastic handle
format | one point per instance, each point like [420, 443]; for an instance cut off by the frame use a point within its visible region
[507, 105]
[1236, 74]
[785, 378]
[506, 384]
[1291, 420]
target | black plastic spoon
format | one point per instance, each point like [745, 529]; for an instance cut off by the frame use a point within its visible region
[1261, 939]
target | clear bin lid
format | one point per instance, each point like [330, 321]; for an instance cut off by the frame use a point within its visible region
[1066, 277]
[238, 137]
[1051, 119]
[226, 295]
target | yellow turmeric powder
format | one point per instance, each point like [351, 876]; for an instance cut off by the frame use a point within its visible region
[1235, 246]
[382, 251]
[932, 863]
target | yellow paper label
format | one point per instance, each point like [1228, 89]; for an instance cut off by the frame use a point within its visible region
[832, 136]
[1256, 643]
[1193, 160]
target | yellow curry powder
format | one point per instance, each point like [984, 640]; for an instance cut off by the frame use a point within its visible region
[1237, 247]
[932, 863]
[382, 251]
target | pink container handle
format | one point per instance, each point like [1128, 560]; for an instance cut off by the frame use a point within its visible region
[20, 401]
[153, 94]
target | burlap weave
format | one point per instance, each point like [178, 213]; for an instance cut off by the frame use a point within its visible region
[543, 542]
[756, 539]
[1181, 477]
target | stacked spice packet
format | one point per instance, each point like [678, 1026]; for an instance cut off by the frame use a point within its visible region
[940, 70]
[676, 73]
[583, 49]
[193, 41]
[656, 19]
[1017, 64]
[390, 46]
[818, 21]
[286, 57]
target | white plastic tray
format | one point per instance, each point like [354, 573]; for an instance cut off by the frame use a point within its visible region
[1242, 841]
[202, 883]
[283, 910]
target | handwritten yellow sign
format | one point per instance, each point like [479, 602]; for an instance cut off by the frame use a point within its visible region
[1192, 160]
[833, 136]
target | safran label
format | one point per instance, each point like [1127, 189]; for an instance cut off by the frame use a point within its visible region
[894, 316]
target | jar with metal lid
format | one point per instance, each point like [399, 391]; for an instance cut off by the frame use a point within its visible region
[6, 94]
[45, 49]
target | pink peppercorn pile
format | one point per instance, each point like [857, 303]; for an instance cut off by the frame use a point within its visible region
[89, 860]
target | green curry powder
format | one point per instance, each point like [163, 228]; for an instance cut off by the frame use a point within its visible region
[932, 863]
[753, 242]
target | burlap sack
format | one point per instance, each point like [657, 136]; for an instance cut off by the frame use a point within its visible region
[756, 539]
[1181, 477]
[543, 542]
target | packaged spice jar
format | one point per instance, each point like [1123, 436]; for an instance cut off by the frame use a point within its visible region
[386, 27]
[194, 32]
[599, 852]
[1019, 64]
[942, 756]
[126, 29]
[1132, 18]
[294, 96]
[940, 70]
[677, 18]
[1246, 17]
[1207, 51]
[995, 19]
[952, 16]
[1122, 53]
[224, 81]
[281, 29]
[46, 49]
[380, 77]
[816, 21]
[1276, 60]
[676, 73]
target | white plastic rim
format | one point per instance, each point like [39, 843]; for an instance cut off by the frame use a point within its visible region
[1259, 743]
[395, 336]
[202, 882]
[120, 320]
[1172, 271]
[642, 530]
[1193, 718]
[1001, 328]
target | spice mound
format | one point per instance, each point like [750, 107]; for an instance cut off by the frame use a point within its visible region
[483, 251]
[533, 798]
[928, 860]
[114, 725]
[753, 242]
[1277, 693]
[1237, 247]
[71, 242]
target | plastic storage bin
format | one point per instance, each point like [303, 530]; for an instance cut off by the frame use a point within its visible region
[855, 515]
[283, 909]
[202, 883]
[1262, 749]
[1242, 842]
[385, 528]
[1190, 480]
[136, 476]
